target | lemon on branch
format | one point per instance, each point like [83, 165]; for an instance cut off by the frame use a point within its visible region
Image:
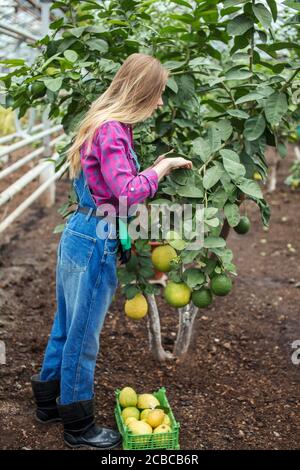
[137, 307]
[161, 257]
[202, 298]
[177, 294]
[221, 284]
[243, 226]
[257, 176]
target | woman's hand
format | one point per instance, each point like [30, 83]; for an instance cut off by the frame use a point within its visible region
[160, 158]
[179, 162]
[166, 165]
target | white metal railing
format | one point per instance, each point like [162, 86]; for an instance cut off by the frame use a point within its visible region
[45, 170]
[28, 140]
[18, 185]
[15, 135]
[35, 195]
[15, 166]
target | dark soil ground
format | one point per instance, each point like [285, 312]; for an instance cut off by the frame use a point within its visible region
[237, 389]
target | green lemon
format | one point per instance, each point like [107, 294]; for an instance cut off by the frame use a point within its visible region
[221, 284]
[202, 298]
[243, 226]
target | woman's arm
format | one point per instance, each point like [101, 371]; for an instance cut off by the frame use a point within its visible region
[116, 169]
[117, 172]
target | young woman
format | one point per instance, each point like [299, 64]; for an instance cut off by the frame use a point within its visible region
[104, 168]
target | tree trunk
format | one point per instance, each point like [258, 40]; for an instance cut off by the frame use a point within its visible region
[154, 330]
[187, 317]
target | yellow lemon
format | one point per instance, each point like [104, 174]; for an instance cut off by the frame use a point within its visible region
[127, 397]
[130, 412]
[177, 294]
[137, 307]
[147, 400]
[161, 257]
[155, 418]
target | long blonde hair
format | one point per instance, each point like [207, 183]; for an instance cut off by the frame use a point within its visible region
[131, 97]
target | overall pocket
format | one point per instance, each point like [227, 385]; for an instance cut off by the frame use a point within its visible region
[76, 250]
[106, 231]
[111, 245]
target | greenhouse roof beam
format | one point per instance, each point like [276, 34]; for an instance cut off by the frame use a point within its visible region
[19, 32]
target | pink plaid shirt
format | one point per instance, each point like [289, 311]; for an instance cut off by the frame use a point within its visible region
[110, 168]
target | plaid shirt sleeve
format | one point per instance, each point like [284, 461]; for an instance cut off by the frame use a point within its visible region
[116, 169]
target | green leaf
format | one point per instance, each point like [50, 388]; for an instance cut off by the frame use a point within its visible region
[214, 242]
[232, 165]
[13, 62]
[214, 139]
[218, 198]
[275, 107]
[294, 5]
[173, 64]
[210, 212]
[277, 46]
[232, 214]
[53, 84]
[98, 45]
[77, 32]
[131, 291]
[186, 90]
[188, 256]
[178, 244]
[241, 74]
[250, 187]
[231, 3]
[254, 127]
[57, 24]
[183, 3]
[59, 228]
[255, 95]
[171, 83]
[190, 191]
[262, 14]
[282, 150]
[193, 277]
[239, 25]
[224, 128]
[184, 17]
[70, 55]
[273, 7]
[215, 222]
[202, 148]
[146, 271]
[265, 211]
[238, 113]
[180, 176]
[97, 29]
[212, 176]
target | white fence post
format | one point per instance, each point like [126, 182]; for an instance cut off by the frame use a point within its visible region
[48, 197]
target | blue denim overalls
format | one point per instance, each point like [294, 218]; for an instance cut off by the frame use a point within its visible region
[86, 280]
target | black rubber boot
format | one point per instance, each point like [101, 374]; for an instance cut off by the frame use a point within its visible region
[80, 429]
[45, 394]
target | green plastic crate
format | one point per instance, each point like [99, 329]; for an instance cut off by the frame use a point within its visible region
[167, 440]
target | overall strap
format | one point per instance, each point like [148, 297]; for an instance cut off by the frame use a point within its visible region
[138, 166]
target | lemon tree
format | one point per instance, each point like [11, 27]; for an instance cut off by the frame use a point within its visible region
[233, 87]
